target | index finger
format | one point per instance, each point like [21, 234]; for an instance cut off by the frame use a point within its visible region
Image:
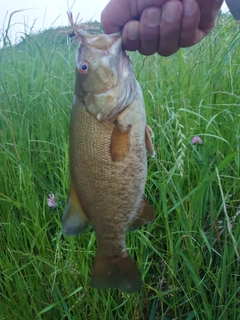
[118, 12]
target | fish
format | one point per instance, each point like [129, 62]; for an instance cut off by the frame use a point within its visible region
[109, 139]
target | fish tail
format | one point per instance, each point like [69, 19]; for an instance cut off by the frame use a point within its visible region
[116, 272]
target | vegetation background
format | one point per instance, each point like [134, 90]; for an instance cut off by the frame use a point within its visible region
[189, 257]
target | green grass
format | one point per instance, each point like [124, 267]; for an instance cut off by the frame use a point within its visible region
[189, 256]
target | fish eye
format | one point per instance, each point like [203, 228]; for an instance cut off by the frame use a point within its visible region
[83, 67]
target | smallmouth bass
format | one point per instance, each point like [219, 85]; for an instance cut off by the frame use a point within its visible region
[109, 139]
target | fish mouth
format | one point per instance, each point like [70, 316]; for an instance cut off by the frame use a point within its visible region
[103, 42]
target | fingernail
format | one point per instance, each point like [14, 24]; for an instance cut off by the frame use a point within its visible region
[189, 7]
[153, 16]
[133, 31]
[170, 11]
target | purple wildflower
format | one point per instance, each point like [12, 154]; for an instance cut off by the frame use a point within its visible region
[51, 200]
[197, 140]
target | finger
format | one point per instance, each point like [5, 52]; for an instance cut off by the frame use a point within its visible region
[149, 30]
[170, 27]
[209, 10]
[190, 33]
[117, 13]
[131, 35]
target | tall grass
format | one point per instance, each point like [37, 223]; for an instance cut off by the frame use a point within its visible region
[189, 257]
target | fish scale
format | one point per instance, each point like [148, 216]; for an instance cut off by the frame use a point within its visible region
[110, 193]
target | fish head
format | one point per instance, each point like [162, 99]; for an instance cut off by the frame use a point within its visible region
[103, 71]
[99, 61]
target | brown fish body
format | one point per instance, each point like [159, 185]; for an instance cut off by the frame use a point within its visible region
[108, 142]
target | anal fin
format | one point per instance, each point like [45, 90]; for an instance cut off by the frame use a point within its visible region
[144, 215]
[74, 219]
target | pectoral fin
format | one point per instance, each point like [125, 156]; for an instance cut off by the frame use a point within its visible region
[120, 143]
[148, 138]
[144, 215]
[74, 219]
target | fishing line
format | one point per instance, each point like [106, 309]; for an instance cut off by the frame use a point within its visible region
[143, 63]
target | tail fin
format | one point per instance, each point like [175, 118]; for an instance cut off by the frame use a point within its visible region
[118, 272]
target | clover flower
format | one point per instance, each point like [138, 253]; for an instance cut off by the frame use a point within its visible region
[197, 140]
[51, 200]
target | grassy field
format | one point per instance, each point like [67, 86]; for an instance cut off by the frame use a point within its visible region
[189, 257]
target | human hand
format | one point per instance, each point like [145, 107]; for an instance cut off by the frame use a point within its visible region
[161, 26]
